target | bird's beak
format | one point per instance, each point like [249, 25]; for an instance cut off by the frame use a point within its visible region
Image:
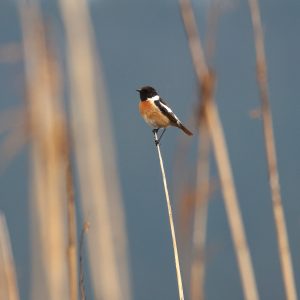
[138, 90]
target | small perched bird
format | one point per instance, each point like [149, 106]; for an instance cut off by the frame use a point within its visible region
[157, 113]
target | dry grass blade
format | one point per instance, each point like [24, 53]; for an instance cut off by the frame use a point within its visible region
[206, 82]
[282, 235]
[200, 217]
[202, 181]
[232, 206]
[8, 279]
[72, 240]
[94, 152]
[84, 229]
[172, 227]
[48, 142]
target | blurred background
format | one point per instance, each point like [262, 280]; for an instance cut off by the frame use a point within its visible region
[144, 43]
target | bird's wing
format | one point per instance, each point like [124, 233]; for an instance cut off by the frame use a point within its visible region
[167, 111]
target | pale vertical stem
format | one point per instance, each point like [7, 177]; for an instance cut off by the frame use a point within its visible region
[231, 203]
[84, 229]
[8, 279]
[72, 240]
[206, 83]
[94, 151]
[200, 217]
[175, 249]
[280, 223]
[46, 124]
[195, 46]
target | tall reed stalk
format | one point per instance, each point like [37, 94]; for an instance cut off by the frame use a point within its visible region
[8, 279]
[72, 228]
[280, 223]
[206, 82]
[94, 152]
[172, 227]
[47, 131]
[84, 229]
[200, 215]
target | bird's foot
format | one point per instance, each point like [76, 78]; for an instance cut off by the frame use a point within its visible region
[156, 139]
[155, 131]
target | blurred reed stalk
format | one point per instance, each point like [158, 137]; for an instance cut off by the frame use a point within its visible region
[8, 279]
[197, 279]
[72, 228]
[95, 158]
[200, 214]
[206, 81]
[84, 229]
[282, 235]
[170, 214]
[47, 130]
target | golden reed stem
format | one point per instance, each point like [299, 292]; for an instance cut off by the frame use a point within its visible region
[281, 230]
[177, 265]
[206, 82]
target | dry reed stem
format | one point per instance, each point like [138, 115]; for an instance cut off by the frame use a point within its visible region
[206, 82]
[282, 235]
[200, 217]
[231, 204]
[170, 214]
[94, 152]
[47, 131]
[84, 229]
[202, 181]
[8, 279]
[72, 229]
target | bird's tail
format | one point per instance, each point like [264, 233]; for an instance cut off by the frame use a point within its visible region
[184, 129]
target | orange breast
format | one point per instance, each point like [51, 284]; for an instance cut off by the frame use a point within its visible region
[152, 115]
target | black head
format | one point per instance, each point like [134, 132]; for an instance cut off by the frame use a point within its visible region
[147, 92]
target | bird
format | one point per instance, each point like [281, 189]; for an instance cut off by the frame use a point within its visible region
[157, 113]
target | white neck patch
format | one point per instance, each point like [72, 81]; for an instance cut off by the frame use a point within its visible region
[154, 98]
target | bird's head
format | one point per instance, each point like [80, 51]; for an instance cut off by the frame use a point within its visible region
[147, 92]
